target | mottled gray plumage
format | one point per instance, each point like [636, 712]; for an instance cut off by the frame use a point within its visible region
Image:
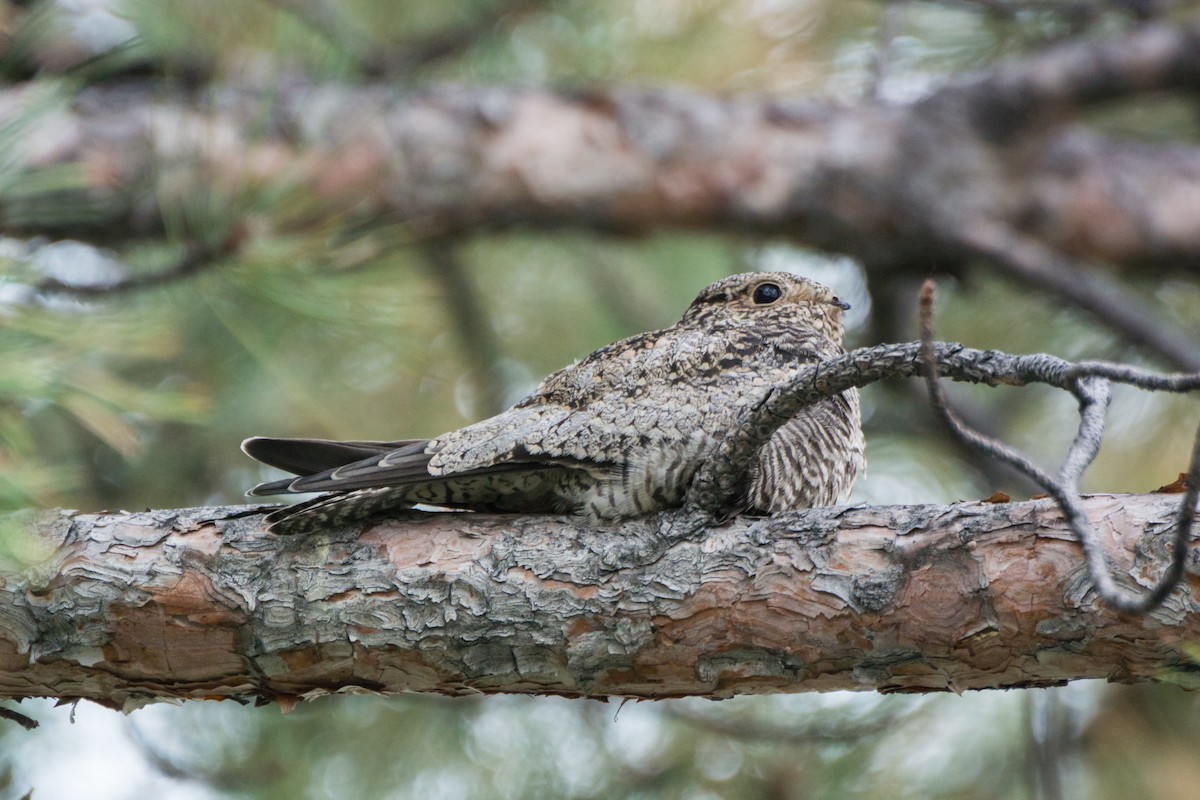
[619, 434]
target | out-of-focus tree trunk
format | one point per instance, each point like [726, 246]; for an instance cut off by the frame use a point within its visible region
[894, 185]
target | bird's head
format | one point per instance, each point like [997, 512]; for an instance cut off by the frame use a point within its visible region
[770, 298]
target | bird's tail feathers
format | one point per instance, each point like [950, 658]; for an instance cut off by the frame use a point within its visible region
[332, 510]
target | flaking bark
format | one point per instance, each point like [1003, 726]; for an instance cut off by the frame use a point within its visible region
[201, 603]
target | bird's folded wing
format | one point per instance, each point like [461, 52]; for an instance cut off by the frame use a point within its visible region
[663, 389]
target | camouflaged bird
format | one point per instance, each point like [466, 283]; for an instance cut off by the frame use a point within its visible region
[620, 433]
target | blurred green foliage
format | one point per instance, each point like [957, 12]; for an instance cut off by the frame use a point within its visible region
[140, 399]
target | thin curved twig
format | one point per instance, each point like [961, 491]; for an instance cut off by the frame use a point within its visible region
[891, 303]
[972, 438]
[719, 480]
[1093, 394]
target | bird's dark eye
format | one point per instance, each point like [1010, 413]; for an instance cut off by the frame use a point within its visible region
[766, 294]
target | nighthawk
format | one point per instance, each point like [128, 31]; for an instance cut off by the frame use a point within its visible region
[620, 433]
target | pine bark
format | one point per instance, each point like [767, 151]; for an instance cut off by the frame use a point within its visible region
[126, 608]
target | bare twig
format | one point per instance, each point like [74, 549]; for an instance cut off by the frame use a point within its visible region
[197, 257]
[1048, 737]
[477, 338]
[977, 441]
[892, 300]
[214, 774]
[816, 732]
[396, 60]
[719, 480]
[1093, 393]
[28, 723]
[1112, 304]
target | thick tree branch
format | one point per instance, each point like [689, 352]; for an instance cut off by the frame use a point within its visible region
[129, 608]
[893, 185]
[125, 608]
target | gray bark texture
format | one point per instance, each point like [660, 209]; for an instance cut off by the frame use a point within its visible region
[931, 182]
[129, 608]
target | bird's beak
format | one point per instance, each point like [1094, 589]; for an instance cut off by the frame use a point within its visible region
[842, 304]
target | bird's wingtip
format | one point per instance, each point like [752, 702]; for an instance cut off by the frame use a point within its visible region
[252, 444]
[283, 486]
